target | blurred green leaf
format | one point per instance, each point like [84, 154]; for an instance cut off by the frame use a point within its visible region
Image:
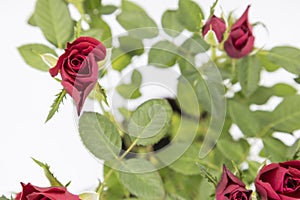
[131, 46]
[171, 24]
[92, 7]
[190, 15]
[249, 69]
[31, 20]
[3, 198]
[237, 151]
[134, 18]
[54, 19]
[163, 54]
[181, 187]
[283, 90]
[108, 9]
[101, 30]
[146, 185]
[120, 60]
[100, 136]
[131, 90]
[286, 116]
[244, 119]
[274, 149]
[150, 121]
[286, 57]
[186, 164]
[32, 55]
[194, 45]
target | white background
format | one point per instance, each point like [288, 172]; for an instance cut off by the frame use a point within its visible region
[26, 94]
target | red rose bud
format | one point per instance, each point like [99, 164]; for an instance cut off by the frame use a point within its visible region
[279, 181]
[79, 69]
[240, 41]
[31, 192]
[231, 188]
[217, 25]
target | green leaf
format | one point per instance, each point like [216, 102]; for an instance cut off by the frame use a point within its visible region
[286, 57]
[146, 185]
[234, 150]
[194, 45]
[244, 118]
[101, 31]
[163, 54]
[100, 136]
[150, 121]
[135, 18]
[92, 7]
[51, 178]
[131, 46]
[187, 97]
[260, 96]
[108, 9]
[286, 116]
[53, 17]
[179, 186]
[283, 90]
[190, 15]
[32, 55]
[249, 69]
[31, 20]
[186, 164]
[293, 152]
[3, 198]
[120, 60]
[171, 24]
[115, 190]
[275, 149]
[131, 91]
[89, 196]
[54, 107]
[267, 63]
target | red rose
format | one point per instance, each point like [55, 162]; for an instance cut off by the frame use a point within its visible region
[231, 188]
[240, 41]
[79, 69]
[217, 25]
[31, 192]
[279, 181]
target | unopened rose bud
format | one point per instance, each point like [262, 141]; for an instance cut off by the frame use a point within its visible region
[215, 24]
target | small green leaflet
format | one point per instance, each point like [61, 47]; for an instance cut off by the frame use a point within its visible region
[132, 90]
[54, 107]
[51, 178]
[210, 178]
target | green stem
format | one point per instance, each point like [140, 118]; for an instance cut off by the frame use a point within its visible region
[233, 67]
[213, 53]
[112, 169]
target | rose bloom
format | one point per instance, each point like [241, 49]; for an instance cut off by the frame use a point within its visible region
[79, 69]
[240, 41]
[279, 181]
[231, 188]
[217, 25]
[31, 192]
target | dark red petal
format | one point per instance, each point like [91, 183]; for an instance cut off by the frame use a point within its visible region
[243, 19]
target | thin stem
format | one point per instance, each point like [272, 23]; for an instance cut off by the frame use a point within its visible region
[112, 169]
[233, 67]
